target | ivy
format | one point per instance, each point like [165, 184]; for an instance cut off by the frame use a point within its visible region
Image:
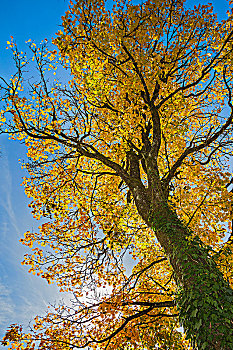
[204, 298]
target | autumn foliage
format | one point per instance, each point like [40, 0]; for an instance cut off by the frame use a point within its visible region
[128, 157]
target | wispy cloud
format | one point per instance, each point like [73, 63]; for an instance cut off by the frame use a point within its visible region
[6, 192]
[6, 305]
[22, 296]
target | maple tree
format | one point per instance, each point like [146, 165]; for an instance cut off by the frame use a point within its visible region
[130, 156]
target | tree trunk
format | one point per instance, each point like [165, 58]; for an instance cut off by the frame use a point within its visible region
[204, 299]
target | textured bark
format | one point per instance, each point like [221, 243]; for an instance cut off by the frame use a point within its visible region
[205, 299]
[200, 282]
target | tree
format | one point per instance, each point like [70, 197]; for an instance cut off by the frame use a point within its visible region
[129, 156]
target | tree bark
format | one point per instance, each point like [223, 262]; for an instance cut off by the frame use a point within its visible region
[204, 297]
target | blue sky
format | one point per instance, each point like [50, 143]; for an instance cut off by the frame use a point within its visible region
[23, 295]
